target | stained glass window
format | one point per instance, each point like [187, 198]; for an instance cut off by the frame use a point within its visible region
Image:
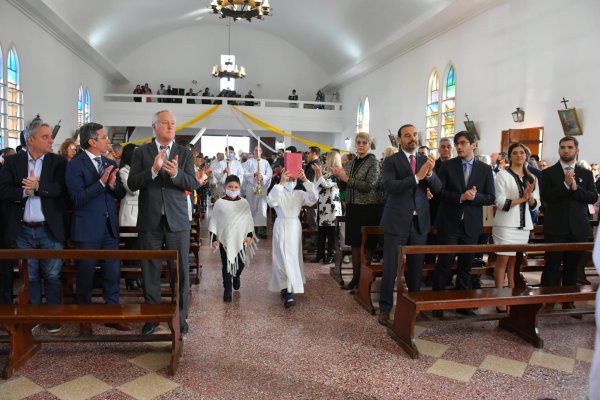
[449, 104]
[80, 102]
[366, 123]
[87, 116]
[2, 104]
[359, 117]
[14, 98]
[433, 110]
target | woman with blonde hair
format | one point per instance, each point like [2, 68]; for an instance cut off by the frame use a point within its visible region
[329, 205]
[68, 149]
[359, 177]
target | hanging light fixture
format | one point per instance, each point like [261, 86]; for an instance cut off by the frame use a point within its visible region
[229, 69]
[241, 9]
[518, 115]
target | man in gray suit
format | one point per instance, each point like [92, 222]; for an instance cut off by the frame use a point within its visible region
[163, 171]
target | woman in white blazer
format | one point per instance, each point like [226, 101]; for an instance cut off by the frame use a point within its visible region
[128, 210]
[517, 193]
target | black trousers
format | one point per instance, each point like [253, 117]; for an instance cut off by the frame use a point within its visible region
[570, 260]
[326, 233]
[226, 275]
[442, 267]
[413, 236]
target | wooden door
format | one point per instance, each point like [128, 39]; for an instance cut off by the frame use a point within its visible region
[533, 138]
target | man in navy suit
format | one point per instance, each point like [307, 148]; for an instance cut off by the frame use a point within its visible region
[566, 190]
[467, 185]
[32, 190]
[94, 185]
[405, 220]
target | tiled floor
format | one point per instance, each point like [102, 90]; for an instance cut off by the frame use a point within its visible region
[327, 347]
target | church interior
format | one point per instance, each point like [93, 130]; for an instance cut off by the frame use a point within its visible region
[494, 67]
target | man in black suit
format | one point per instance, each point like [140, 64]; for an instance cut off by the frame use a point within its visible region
[163, 171]
[405, 220]
[467, 185]
[566, 190]
[32, 190]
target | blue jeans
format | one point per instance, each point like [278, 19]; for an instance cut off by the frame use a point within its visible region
[48, 270]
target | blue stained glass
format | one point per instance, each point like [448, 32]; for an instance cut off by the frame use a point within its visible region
[12, 68]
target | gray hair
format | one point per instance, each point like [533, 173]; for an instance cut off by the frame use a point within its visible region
[155, 116]
[33, 127]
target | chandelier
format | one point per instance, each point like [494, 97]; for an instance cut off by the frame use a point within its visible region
[241, 9]
[228, 69]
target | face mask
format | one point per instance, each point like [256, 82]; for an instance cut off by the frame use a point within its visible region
[244, 159]
[232, 193]
[289, 186]
[231, 155]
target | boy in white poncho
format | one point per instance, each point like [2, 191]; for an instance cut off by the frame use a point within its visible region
[232, 230]
[287, 268]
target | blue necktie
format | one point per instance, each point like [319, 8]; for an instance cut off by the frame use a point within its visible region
[100, 166]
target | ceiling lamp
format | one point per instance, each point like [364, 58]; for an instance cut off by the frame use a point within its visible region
[241, 9]
[228, 69]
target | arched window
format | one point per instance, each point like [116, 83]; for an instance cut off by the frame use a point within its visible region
[449, 104]
[366, 116]
[359, 117]
[80, 107]
[14, 98]
[2, 104]
[87, 116]
[433, 110]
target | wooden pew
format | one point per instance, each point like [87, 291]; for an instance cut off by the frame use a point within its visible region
[19, 319]
[341, 250]
[308, 233]
[525, 302]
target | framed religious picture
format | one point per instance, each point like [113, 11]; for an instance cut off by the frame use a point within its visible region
[470, 125]
[570, 122]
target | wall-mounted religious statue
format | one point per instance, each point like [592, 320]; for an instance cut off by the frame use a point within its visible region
[569, 120]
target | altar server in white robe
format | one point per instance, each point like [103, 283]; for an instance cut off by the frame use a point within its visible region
[595, 372]
[287, 274]
[257, 179]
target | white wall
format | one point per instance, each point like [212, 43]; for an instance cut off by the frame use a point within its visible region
[273, 66]
[50, 73]
[526, 54]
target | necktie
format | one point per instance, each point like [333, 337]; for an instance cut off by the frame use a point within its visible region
[166, 149]
[413, 163]
[567, 169]
[100, 166]
[466, 173]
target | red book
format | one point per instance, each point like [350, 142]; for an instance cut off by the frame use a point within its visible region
[292, 162]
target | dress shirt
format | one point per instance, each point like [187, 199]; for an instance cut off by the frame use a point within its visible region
[407, 154]
[564, 168]
[93, 159]
[168, 151]
[33, 205]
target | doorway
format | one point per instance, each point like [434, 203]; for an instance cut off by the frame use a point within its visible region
[533, 138]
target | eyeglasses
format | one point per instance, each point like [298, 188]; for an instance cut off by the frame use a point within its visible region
[360, 142]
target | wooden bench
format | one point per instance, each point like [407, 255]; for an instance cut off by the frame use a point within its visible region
[20, 318]
[525, 302]
[370, 271]
[341, 250]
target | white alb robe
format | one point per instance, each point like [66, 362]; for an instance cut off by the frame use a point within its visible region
[258, 203]
[288, 266]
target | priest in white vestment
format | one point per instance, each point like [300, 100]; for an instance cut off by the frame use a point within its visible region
[215, 174]
[287, 266]
[228, 166]
[257, 179]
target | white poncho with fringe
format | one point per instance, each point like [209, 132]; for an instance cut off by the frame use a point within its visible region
[231, 222]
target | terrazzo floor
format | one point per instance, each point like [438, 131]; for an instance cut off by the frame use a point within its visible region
[327, 347]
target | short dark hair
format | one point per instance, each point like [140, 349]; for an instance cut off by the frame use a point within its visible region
[230, 148]
[423, 147]
[402, 127]
[567, 138]
[335, 149]
[232, 178]
[292, 149]
[315, 149]
[88, 131]
[127, 154]
[535, 157]
[470, 136]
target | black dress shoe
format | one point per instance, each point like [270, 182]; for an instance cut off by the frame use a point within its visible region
[184, 329]
[384, 318]
[236, 282]
[328, 260]
[465, 311]
[437, 313]
[149, 328]
[350, 286]
[227, 298]
[132, 284]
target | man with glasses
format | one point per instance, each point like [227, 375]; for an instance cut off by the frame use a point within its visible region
[94, 186]
[467, 185]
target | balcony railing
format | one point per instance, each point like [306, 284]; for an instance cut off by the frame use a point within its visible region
[240, 101]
